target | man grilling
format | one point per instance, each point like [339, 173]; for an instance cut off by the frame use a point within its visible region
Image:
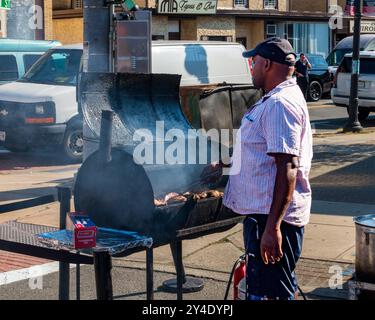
[272, 187]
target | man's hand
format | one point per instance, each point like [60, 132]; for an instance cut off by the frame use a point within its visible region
[270, 246]
[212, 173]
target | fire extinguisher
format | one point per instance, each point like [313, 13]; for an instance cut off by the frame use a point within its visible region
[238, 275]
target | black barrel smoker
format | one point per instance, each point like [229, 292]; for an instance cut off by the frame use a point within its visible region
[116, 186]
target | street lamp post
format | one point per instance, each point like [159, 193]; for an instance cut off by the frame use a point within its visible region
[353, 124]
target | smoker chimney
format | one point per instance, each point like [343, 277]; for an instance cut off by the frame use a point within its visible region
[105, 143]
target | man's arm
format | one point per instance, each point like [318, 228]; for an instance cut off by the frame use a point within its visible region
[286, 175]
[213, 172]
[309, 66]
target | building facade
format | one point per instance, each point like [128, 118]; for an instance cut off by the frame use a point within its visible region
[304, 23]
[367, 25]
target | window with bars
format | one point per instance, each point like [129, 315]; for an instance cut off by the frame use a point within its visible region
[270, 4]
[240, 3]
[67, 4]
[77, 4]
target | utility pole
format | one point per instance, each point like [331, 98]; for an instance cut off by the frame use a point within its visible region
[353, 124]
[18, 18]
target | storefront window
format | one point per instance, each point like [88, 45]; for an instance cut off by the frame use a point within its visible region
[174, 30]
[306, 37]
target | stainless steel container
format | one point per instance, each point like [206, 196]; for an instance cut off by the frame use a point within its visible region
[365, 248]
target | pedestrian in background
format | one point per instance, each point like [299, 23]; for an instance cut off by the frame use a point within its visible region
[302, 72]
[272, 188]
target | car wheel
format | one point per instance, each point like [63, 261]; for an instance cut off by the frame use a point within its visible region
[315, 91]
[362, 113]
[73, 142]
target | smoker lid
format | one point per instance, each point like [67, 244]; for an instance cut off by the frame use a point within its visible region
[367, 220]
[117, 194]
[140, 101]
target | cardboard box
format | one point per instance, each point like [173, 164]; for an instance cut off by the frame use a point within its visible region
[84, 230]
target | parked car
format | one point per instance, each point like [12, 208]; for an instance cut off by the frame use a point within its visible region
[366, 84]
[41, 107]
[367, 43]
[320, 80]
[17, 56]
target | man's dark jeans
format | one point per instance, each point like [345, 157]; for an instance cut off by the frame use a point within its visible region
[303, 83]
[272, 281]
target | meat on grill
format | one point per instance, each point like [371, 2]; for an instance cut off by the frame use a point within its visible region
[174, 197]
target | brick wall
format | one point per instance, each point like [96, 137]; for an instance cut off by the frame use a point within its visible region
[68, 31]
[141, 3]
[252, 30]
[48, 22]
[256, 4]
[341, 3]
[225, 4]
[216, 26]
[3, 19]
[257, 33]
[312, 6]
[152, 3]
[283, 5]
[189, 29]
[160, 26]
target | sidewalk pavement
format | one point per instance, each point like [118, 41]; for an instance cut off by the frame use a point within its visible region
[342, 179]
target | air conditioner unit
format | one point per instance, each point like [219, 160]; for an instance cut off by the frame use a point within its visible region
[271, 29]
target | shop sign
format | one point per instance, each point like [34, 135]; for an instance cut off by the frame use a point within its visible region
[366, 26]
[5, 4]
[187, 6]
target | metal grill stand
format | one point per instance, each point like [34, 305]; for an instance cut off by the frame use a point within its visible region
[181, 284]
[185, 284]
[103, 277]
[21, 238]
[64, 195]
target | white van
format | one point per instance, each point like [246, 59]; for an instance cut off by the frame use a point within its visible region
[201, 63]
[17, 56]
[41, 107]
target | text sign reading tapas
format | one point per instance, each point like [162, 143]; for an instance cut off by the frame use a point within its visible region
[187, 6]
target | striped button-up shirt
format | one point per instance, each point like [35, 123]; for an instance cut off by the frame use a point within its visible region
[277, 123]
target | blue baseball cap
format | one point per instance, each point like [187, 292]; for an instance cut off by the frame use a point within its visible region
[274, 49]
